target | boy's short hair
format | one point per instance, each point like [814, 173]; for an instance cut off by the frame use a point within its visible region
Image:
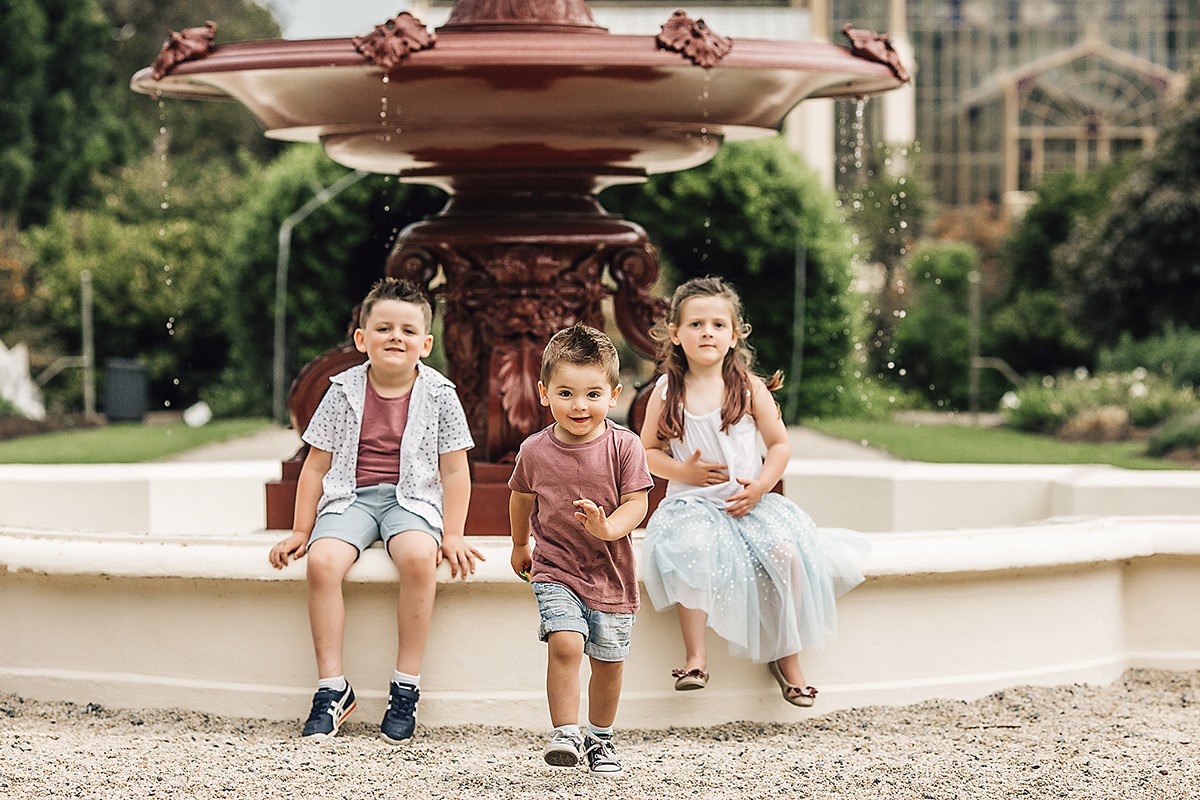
[582, 345]
[401, 289]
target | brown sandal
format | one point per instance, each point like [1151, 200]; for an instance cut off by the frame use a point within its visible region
[687, 680]
[803, 696]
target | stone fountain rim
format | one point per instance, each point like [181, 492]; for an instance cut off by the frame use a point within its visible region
[577, 50]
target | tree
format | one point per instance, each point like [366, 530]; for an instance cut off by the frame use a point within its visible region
[156, 260]
[1135, 268]
[739, 216]
[337, 253]
[193, 130]
[68, 115]
[1030, 327]
[931, 340]
[56, 132]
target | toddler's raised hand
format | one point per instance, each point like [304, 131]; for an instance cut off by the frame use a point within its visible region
[704, 473]
[594, 520]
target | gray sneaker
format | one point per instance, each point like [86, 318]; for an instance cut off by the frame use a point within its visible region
[601, 756]
[563, 749]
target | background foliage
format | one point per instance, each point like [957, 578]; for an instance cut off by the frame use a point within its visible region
[336, 254]
[739, 217]
[174, 207]
[1135, 267]
[156, 275]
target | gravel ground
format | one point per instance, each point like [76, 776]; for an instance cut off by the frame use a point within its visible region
[1138, 738]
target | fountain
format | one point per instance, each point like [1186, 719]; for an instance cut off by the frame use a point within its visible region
[522, 112]
[148, 585]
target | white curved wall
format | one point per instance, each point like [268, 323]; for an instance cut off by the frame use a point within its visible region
[205, 623]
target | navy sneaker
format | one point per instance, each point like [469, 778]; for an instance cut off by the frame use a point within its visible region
[400, 719]
[329, 710]
[601, 755]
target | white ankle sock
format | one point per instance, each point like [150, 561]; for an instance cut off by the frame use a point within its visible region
[600, 731]
[338, 683]
[403, 678]
[570, 730]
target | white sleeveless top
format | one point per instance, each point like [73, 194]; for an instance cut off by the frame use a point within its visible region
[736, 448]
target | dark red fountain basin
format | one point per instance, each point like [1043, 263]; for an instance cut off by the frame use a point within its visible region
[599, 104]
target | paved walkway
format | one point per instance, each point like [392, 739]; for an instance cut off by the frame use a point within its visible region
[280, 443]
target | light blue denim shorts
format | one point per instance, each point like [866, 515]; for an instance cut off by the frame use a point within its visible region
[373, 516]
[605, 633]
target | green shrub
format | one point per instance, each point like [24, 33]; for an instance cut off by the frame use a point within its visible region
[1173, 354]
[1047, 405]
[1177, 433]
[1152, 402]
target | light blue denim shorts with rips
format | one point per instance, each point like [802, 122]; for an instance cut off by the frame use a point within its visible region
[373, 516]
[605, 633]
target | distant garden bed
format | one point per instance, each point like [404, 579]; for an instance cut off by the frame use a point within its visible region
[13, 426]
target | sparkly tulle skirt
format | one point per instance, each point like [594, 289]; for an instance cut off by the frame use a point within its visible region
[768, 580]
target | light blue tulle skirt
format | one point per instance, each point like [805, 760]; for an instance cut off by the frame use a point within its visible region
[768, 580]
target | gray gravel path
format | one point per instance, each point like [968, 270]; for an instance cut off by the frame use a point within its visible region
[1138, 738]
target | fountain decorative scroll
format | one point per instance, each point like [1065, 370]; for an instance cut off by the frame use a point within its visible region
[190, 45]
[391, 42]
[874, 47]
[694, 39]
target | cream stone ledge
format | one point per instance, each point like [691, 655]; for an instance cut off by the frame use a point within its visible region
[1052, 543]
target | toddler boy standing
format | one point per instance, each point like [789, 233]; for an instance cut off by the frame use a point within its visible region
[580, 486]
[388, 460]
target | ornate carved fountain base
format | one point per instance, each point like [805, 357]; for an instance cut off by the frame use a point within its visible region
[513, 265]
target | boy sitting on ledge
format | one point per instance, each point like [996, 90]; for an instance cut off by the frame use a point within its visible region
[388, 460]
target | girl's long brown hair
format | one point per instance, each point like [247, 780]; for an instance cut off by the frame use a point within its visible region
[737, 370]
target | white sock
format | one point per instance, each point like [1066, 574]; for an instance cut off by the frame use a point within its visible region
[596, 729]
[338, 683]
[570, 730]
[404, 678]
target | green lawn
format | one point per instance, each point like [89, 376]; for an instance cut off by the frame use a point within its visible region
[958, 444]
[122, 442]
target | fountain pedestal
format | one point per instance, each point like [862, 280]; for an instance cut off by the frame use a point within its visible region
[515, 261]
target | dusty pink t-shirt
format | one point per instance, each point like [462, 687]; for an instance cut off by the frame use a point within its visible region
[383, 424]
[603, 574]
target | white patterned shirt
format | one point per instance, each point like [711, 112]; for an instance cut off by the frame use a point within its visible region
[436, 425]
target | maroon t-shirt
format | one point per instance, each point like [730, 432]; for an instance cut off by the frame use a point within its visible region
[383, 424]
[603, 574]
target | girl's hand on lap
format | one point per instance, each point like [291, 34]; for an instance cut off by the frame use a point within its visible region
[740, 504]
[704, 473]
